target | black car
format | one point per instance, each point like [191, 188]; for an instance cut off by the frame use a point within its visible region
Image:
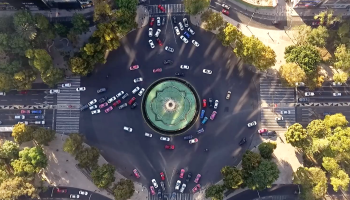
[303, 99]
[159, 194]
[269, 133]
[168, 62]
[101, 90]
[244, 140]
[133, 105]
[102, 100]
[174, 20]
[189, 176]
[84, 107]
[188, 137]
[39, 117]
[210, 102]
[179, 74]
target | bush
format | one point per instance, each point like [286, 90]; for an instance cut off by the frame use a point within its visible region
[266, 149]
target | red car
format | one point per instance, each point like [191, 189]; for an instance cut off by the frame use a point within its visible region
[103, 105]
[161, 8]
[136, 173]
[197, 178]
[159, 42]
[116, 103]
[196, 188]
[131, 100]
[152, 190]
[162, 176]
[134, 67]
[263, 130]
[225, 12]
[152, 21]
[172, 147]
[109, 109]
[25, 111]
[157, 70]
[182, 172]
[204, 103]
[61, 190]
[24, 92]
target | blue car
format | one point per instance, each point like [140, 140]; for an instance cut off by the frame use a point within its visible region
[36, 111]
[186, 34]
[188, 137]
[202, 114]
[205, 120]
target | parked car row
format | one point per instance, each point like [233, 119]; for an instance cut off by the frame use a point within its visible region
[72, 196]
[66, 85]
[39, 119]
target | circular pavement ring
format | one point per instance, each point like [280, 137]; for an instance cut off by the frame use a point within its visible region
[170, 106]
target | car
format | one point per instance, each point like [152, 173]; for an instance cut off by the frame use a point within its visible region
[228, 95]
[82, 192]
[157, 33]
[131, 100]
[128, 129]
[188, 137]
[56, 91]
[148, 134]
[204, 103]
[74, 196]
[168, 62]
[134, 67]
[116, 103]
[159, 194]
[336, 94]
[152, 190]
[161, 8]
[125, 95]
[101, 90]
[179, 74]
[136, 80]
[303, 99]
[157, 70]
[169, 49]
[182, 173]
[191, 31]
[80, 89]
[162, 177]
[134, 105]
[151, 22]
[262, 130]
[39, 117]
[210, 102]
[337, 84]
[225, 12]
[196, 188]
[195, 43]
[119, 94]
[36, 111]
[185, 22]
[97, 111]
[315, 23]
[159, 42]
[269, 134]
[216, 105]
[25, 111]
[162, 185]
[141, 91]
[93, 107]
[184, 39]
[177, 31]
[184, 67]
[135, 90]
[109, 109]
[207, 71]
[187, 35]
[196, 180]
[202, 114]
[65, 85]
[225, 6]
[183, 187]
[122, 106]
[181, 26]
[163, 21]
[84, 107]
[213, 114]
[103, 105]
[285, 112]
[279, 118]
[155, 184]
[25, 122]
[110, 100]
[158, 21]
[307, 94]
[102, 100]
[242, 141]
[205, 120]
[136, 173]
[299, 84]
[177, 185]
[251, 124]
[61, 190]
[200, 130]
[189, 176]
[192, 141]
[174, 19]
[165, 139]
[151, 44]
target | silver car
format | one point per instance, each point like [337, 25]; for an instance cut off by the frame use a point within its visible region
[285, 112]
[112, 99]
[183, 187]
[167, 48]
[195, 43]
[120, 94]
[191, 31]
[151, 44]
[181, 26]
[251, 124]
[216, 105]
[158, 21]
[150, 32]
[93, 107]
[92, 102]
[127, 129]
[177, 31]
[185, 22]
[136, 80]
[64, 85]
[141, 91]
[97, 111]
[165, 139]
[155, 184]
[184, 39]
[125, 95]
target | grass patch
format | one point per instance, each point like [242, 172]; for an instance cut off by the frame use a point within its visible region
[253, 6]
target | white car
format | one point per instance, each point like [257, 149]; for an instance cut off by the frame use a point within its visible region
[135, 90]
[136, 80]
[97, 111]
[157, 33]
[337, 84]
[54, 91]
[185, 22]
[285, 112]
[183, 187]
[167, 48]
[216, 104]
[112, 99]
[191, 31]
[151, 44]
[177, 31]
[299, 84]
[181, 26]
[308, 94]
[184, 67]
[279, 118]
[336, 94]
[194, 140]
[195, 43]
[93, 107]
[64, 85]
[141, 91]
[92, 102]
[184, 39]
[158, 21]
[177, 186]
[150, 32]
[25, 122]
[148, 134]
[80, 89]
[39, 122]
[207, 71]
[120, 94]
[155, 184]
[74, 196]
[83, 192]
[251, 124]
[165, 139]
[225, 6]
[127, 129]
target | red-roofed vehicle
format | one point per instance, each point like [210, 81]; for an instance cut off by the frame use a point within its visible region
[197, 178]
[182, 173]
[212, 116]
[151, 22]
[152, 190]
[109, 109]
[161, 8]
[196, 188]
[225, 12]
[134, 67]
[172, 147]
[61, 190]
[157, 70]
[204, 103]
[162, 176]
[116, 103]
[263, 130]
[103, 105]
[131, 100]
[159, 42]
[25, 111]
[136, 173]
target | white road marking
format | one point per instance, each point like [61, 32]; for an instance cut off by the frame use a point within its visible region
[173, 30]
[171, 178]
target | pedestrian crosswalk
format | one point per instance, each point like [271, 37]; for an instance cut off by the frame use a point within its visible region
[169, 8]
[68, 104]
[179, 196]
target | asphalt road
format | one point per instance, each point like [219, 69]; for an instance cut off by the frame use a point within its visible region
[133, 150]
[304, 115]
[7, 117]
[28, 97]
[325, 94]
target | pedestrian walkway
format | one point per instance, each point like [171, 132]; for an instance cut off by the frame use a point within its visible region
[179, 196]
[169, 8]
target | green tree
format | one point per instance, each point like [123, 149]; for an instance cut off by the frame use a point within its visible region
[22, 133]
[130, 5]
[93, 53]
[266, 149]
[79, 66]
[107, 34]
[73, 38]
[326, 18]
[18, 45]
[193, 7]
[292, 73]
[341, 77]
[40, 59]
[9, 151]
[123, 190]
[336, 120]
[23, 17]
[6, 82]
[228, 35]
[24, 79]
[12, 67]
[232, 177]
[88, 157]
[74, 143]
[318, 36]
[52, 76]
[125, 21]
[250, 161]
[263, 176]
[27, 31]
[43, 136]
[15, 187]
[342, 57]
[313, 182]
[317, 129]
[41, 22]
[297, 136]
[306, 56]
[216, 192]
[31, 160]
[60, 29]
[212, 20]
[343, 33]
[80, 24]
[340, 180]
[102, 11]
[103, 176]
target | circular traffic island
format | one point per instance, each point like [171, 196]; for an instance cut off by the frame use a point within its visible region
[170, 106]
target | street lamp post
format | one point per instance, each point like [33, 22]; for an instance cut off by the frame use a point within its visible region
[250, 20]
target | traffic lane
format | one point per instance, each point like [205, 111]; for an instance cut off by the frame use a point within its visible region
[325, 88]
[51, 192]
[29, 97]
[320, 112]
[7, 117]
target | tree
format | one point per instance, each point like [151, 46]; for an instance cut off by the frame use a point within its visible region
[343, 32]
[292, 73]
[317, 129]
[228, 34]
[80, 24]
[342, 56]
[263, 176]
[6, 82]
[79, 66]
[266, 149]
[74, 143]
[318, 36]
[12, 67]
[30, 160]
[301, 34]
[18, 45]
[297, 136]
[125, 20]
[41, 22]
[250, 161]
[22, 133]
[102, 11]
[23, 17]
[73, 38]
[306, 56]
[216, 192]
[103, 176]
[52, 76]
[193, 7]
[326, 18]
[340, 180]
[130, 5]
[212, 20]
[9, 151]
[123, 190]
[40, 59]
[43, 136]
[313, 182]
[232, 177]
[336, 120]
[88, 157]
[60, 29]
[24, 79]
[341, 77]
[107, 36]
[15, 187]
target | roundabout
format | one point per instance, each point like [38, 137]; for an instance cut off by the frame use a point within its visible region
[171, 107]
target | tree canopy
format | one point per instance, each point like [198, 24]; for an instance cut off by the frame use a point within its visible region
[123, 190]
[22, 133]
[297, 136]
[216, 192]
[88, 157]
[193, 7]
[263, 176]
[80, 24]
[103, 176]
[306, 56]
[292, 73]
[212, 20]
[232, 177]
[228, 35]
[15, 187]
[74, 143]
[266, 149]
[313, 182]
